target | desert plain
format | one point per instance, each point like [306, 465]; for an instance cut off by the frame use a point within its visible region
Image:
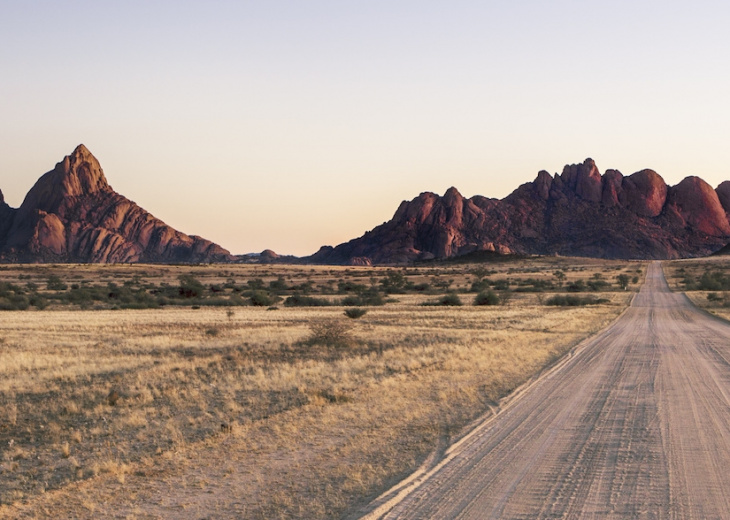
[241, 401]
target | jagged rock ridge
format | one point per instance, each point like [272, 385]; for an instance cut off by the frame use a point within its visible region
[579, 212]
[72, 215]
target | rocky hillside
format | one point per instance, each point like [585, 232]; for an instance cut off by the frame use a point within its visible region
[579, 212]
[73, 215]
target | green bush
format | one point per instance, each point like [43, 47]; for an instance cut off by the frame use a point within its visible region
[261, 299]
[55, 283]
[481, 285]
[714, 281]
[501, 285]
[623, 281]
[574, 301]
[577, 286]
[714, 297]
[355, 312]
[488, 297]
[17, 302]
[298, 300]
[190, 287]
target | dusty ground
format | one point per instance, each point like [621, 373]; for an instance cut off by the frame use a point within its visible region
[634, 425]
[201, 413]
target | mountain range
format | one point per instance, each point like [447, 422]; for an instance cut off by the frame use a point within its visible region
[73, 215]
[579, 212]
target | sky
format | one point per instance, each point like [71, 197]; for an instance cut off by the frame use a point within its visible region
[289, 125]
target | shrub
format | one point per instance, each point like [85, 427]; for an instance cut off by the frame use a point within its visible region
[54, 283]
[347, 287]
[623, 281]
[298, 300]
[355, 312]
[278, 285]
[574, 301]
[393, 283]
[261, 299]
[577, 286]
[597, 285]
[447, 300]
[714, 281]
[256, 284]
[331, 333]
[17, 302]
[480, 286]
[190, 287]
[486, 298]
[501, 285]
[714, 297]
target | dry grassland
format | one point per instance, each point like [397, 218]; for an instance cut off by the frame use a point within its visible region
[193, 413]
[705, 281]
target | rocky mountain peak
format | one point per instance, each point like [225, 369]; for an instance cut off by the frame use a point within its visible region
[699, 206]
[78, 174]
[72, 215]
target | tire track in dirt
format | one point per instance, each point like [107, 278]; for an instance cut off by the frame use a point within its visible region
[636, 424]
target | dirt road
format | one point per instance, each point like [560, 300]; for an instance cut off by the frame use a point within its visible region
[636, 424]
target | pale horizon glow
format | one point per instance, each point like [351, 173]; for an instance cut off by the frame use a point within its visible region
[292, 125]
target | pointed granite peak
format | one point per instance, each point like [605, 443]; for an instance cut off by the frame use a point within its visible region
[77, 175]
[452, 194]
[81, 150]
[80, 173]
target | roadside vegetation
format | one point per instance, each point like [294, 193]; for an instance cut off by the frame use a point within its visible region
[118, 287]
[305, 409]
[705, 281]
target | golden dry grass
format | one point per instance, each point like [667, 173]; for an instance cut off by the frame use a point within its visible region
[239, 415]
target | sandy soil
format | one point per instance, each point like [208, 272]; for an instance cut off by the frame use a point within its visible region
[635, 424]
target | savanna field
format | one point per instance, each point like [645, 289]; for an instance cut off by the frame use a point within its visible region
[146, 391]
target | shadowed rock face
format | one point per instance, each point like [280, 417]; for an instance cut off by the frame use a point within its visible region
[73, 215]
[578, 212]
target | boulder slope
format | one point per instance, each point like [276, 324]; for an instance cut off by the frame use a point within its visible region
[73, 215]
[579, 212]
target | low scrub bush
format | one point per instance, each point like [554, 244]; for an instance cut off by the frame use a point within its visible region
[298, 300]
[355, 312]
[574, 301]
[330, 333]
[261, 299]
[714, 281]
[714, 297]
[577, 286]
[55, 283]
[488, 297]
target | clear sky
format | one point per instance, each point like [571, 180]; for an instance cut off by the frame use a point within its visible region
[294, 124]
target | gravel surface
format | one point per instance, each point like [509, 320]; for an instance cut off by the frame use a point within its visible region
[634, 424]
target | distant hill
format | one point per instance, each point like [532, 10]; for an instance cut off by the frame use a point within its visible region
[579, 212]
[73, 215]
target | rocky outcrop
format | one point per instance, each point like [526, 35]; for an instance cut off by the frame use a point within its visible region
[73, 215]
[578, 212]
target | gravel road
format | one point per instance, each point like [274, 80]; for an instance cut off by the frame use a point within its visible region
[635, 424]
